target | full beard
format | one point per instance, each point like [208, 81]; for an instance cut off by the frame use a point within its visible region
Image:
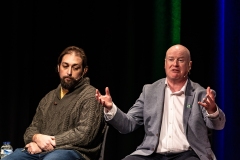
[68, 84]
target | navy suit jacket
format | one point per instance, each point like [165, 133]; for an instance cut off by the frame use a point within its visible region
[148, 111]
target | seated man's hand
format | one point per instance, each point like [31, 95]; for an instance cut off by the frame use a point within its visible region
[45, 142]
[33, 148]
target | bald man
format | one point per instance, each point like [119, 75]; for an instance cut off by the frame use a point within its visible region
[176, 112]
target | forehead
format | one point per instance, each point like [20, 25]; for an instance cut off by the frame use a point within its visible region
[71, 58]
[177, 52]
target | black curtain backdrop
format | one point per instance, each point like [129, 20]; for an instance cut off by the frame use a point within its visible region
[118, 39]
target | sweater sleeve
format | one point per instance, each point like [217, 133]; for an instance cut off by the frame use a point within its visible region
[89, 120]
[37, 120]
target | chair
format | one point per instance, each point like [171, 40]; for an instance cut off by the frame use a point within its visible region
[103, 144]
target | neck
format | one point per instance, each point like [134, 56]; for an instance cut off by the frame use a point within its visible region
[176, 85]
[64, 90]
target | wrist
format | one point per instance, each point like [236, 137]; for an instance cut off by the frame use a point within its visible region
[212, 110]
[34, 138]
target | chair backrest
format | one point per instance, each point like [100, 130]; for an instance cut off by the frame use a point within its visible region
[103, 144]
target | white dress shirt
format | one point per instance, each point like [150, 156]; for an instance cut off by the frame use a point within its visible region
[172, 137]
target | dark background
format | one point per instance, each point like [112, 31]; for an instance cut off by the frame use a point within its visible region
[118, 38]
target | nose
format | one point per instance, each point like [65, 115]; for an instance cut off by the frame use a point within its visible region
[175, 62]
[69, 71]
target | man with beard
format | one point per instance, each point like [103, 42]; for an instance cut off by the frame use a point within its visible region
[68, 123]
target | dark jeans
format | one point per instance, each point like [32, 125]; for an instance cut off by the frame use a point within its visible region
[59, 154]
[187, 155]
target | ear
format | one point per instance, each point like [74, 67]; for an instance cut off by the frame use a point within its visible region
[189, 65]
[85, 70]
[165, 63]
[58, 68]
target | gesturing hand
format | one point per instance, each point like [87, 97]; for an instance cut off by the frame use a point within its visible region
[209, 101]
[104, 100]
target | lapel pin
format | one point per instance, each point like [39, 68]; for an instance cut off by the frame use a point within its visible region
[188, 106]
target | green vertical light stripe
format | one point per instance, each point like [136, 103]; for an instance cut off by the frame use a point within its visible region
[176, 21]
[167, 22]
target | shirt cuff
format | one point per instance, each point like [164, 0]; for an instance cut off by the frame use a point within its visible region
[109, 114]
[213, 115]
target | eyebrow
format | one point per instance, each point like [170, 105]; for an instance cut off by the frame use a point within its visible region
[176, 57]
[75, 64]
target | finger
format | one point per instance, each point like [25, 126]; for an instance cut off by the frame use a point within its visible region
[211, 99]
[208, 90]
[53, 142]
[97, 98]
[107, 91]
[207, 102]
[203, 104]
[50, 147]
[204, 99]
[213, 94]
[210, 103]
[98, 93]
[99, 101]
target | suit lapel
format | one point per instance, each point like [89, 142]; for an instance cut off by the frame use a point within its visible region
[188, 104]
[160, 95]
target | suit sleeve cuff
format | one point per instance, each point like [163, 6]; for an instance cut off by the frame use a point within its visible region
[109, 114]
[213, 115]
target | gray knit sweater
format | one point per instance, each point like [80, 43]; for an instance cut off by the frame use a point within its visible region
[76, 120]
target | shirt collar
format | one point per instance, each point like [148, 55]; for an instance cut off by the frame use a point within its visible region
[63, 92]
[181, 91]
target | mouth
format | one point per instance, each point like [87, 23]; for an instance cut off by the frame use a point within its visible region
[175, 70]
[67, 79]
